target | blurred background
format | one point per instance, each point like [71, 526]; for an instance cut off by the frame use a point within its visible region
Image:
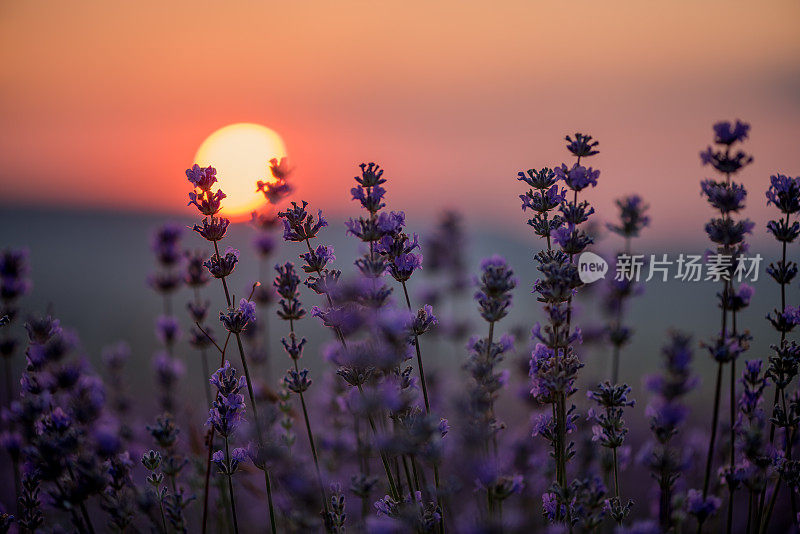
[104, 104]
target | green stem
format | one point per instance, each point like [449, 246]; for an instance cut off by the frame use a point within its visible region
[714, 420]
[392, 487]
[230, 487]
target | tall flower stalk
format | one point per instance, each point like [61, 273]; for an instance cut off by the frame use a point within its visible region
[290, 309]
[196, 277]
[494, 300]
[632, 219]
[727, 197]
[667, 413]
[264, 243]
[784, 194]
[165, 281]
[213, 229]
[554, 363]
[609, 430]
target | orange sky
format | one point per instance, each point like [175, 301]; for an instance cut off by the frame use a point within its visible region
[103, 104]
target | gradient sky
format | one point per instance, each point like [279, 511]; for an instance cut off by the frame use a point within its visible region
[103, 104]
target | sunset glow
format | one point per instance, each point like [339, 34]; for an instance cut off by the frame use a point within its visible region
[241, 153]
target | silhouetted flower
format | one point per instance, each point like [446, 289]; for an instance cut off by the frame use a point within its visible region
[724, 196]
[726, 133]
[542, 179]
[632, 216]
[728, 232]
[582, 146]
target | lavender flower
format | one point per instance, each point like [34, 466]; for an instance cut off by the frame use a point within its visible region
[227, 411]
[582, 146]
[494, 290]
[544, 200]
[220, 267]
[632, 216]
[723, 196]
[297, 381]
[212, 229]
[424, 320]
[286, 284]
[316, 260]
[236, 319]
[784, 193]
[577, 177]
[208, 204]
[726, 133]
[299, 225]
[167, 329]
[166, 244]
[231, 465]
[293, 348]
[785, 321]
[702, 507]
[398, 249]
[727, 197]
[494, 300]
[724, 161]
[202, 177]
[195, 275]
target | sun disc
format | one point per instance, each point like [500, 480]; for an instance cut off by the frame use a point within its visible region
[241, 153]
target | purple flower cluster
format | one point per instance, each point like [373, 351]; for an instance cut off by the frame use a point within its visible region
[726, 197]
[209, 203]
[299, 225]
[227, 410]
[61, 437]
[235, 319]
[286, 284]
[494, 289]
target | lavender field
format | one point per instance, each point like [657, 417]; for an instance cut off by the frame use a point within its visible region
[382, 374]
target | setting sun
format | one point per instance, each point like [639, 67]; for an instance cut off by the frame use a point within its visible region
[241, 153]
